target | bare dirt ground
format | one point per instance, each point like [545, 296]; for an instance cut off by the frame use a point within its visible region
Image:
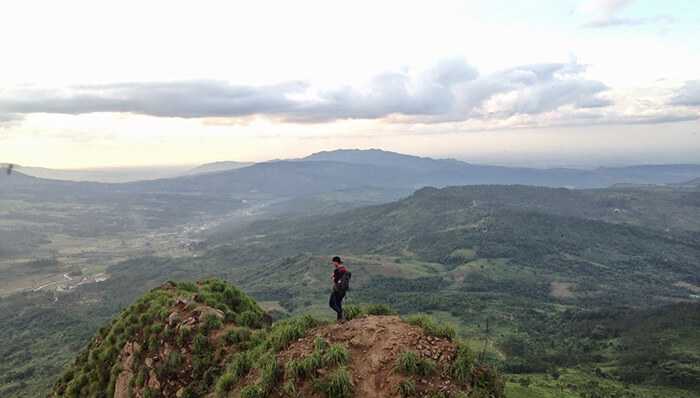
[374, 344]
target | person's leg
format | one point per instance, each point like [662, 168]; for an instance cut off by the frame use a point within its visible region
[331, 302]
[341, 316]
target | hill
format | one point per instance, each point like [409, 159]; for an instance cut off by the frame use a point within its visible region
[531, 263]
[518, 241]
[694, 183]
[188, 340]
[359, 169]
[379, 157]
[214, 167]
[453, 172]
[564, 292]
[105, 174]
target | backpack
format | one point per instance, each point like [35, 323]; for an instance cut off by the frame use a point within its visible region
[344, 282]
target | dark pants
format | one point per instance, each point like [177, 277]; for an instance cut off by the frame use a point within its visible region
[336, 302]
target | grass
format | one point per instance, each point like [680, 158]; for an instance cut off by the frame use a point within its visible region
[237, 335]
[432, 327]
[407, 388]
[576, 383]
[240, 366]
[322, 356]
[320, 344]
[225, 384]
[336, 355]
[353, 311]
[410, 363]
[379, 309]
[269, 373]
[463, 364]
[336, 385]
[284, 332]
[252, 391]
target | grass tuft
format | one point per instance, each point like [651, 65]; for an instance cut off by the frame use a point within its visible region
[379, 309]
[253, 391]
[463, 364]
[320, 344]
[336, 355]
[336, 385]
[407, 388]
[432, 327]
[410, 363]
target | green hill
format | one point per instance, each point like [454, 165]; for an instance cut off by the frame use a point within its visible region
[483, 246]
[517, 269]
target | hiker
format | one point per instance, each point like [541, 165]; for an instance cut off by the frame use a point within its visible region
[341, 283]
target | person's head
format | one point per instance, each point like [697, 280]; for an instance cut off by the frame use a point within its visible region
[337, 261]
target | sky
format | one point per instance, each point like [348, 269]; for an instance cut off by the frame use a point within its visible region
[541, 83]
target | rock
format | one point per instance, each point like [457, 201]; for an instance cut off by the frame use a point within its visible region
[168, 285]
[153, 382]
[174, 318]
[204, 312]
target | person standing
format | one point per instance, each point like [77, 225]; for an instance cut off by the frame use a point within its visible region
[341, 283]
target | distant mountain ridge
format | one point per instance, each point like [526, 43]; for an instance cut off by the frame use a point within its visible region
[105, 174]
[692, 183]
[214, 167]
[352, 169]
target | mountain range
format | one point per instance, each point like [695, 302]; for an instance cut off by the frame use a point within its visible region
[353, 169]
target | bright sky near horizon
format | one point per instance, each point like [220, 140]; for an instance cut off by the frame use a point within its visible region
[546, 82]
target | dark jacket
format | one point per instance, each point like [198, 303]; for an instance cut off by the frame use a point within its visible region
[337, 275]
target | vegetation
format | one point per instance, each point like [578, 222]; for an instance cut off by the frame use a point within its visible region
[407, 388]
[336, 385]
[220, 357]
[431, 327]
[157, 316]
[410, 363]
[538, 282]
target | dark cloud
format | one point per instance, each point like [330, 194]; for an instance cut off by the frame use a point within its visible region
[688, 95]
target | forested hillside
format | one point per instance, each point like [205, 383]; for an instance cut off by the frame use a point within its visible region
[551, 285]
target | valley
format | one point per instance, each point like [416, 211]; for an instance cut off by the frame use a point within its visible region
[561, 289]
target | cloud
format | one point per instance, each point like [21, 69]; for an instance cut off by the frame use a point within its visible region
[451, 91]
[605, 14]
[546, 94]
[612, 22]
[186, 99]
[688, 95]
[9, 119]
[603, 8]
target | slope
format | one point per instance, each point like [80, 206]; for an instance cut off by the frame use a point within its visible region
[450, 227]
[187, 340]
